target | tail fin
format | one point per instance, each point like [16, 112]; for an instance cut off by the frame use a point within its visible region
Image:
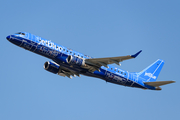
[151, 73]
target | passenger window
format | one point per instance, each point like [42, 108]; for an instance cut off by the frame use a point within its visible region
[57, 47]
[64, 49]
[81, 56]
[67, 51]
[111, 68]
[70, 52]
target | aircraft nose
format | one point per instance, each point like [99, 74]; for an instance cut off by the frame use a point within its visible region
[8, 37]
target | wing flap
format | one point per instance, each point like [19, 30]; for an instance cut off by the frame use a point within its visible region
[67, 72]
[158, 83]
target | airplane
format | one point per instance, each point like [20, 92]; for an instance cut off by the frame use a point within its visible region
[69, 63]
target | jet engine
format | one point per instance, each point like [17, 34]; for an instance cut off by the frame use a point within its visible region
[51, 67]
[72, 60]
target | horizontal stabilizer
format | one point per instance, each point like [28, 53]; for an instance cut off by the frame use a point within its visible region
[158, 83]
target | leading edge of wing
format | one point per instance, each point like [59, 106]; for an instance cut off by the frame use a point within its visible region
[110, 60]
[121, 58]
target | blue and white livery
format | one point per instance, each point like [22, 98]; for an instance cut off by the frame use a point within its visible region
[67, 62]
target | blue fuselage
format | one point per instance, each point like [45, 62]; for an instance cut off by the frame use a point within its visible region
[59, 53]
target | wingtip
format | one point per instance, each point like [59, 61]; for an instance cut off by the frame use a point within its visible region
[172, 81]
[135, 55]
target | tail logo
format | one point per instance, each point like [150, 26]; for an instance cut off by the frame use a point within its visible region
[150, 75]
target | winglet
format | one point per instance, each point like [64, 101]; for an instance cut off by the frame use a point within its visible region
[135, 55]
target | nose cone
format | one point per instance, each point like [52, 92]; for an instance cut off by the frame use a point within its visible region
[8, 37]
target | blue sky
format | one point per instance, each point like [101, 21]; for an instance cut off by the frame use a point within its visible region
[98, 28]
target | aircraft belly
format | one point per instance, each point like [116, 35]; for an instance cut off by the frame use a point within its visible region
[138, 86]
[101, 73]
[114, 78]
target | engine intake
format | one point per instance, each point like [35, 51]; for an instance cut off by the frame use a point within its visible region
[69, 58]
[51, 67]
[72, 60]
[75, 60]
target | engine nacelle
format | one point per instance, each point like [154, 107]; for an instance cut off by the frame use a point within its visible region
[75, 60]
[72, 60]
[64, 58]
[51, 67]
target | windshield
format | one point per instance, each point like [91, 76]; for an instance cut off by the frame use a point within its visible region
[20, 33]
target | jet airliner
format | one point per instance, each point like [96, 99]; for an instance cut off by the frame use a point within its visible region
[69, 63]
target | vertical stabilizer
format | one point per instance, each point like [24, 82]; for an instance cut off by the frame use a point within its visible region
[151, 73]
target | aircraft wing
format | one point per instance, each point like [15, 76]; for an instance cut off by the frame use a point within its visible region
[98, 62]
[66, 72]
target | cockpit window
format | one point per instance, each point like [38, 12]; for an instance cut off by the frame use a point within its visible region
[20, 33]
